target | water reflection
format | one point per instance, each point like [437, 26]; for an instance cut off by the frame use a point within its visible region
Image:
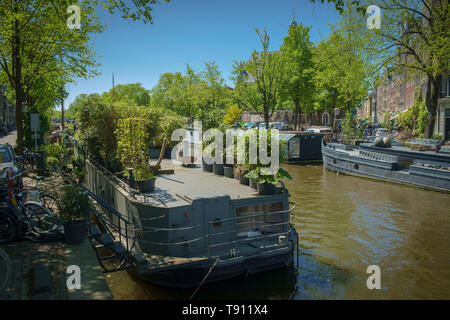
[345, 224]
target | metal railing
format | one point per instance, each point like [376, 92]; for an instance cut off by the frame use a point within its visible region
[233, 240]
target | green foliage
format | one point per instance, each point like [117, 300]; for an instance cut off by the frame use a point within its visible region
[386, 123]
[133, 145]
[344, 67]
[191, 94]
[262, 176]
[415, 118]
[132, 91]
[258, 81]
[98, 121]
[233, 114]
[348, 128]
[54, 150]
[298, 87]
[75, 204]
[52, 161]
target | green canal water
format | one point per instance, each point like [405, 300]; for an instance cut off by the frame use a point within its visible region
[345, 224]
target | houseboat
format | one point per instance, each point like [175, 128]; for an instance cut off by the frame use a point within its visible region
[195, 227]
[303, 147]
[426, 169]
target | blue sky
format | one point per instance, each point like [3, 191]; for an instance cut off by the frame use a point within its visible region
[193, 31]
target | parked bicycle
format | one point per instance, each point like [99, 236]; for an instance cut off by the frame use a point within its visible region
[28, 219]
[46, 199]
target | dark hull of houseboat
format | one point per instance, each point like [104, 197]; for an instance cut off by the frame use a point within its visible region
[302, 147]
[193, 275]
[419, 176]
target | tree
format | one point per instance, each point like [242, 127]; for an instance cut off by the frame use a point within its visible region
[179, 92]
[343, 68]
[214, 85]
[415, 39]
[132, 91]
[35, 41]
[298, 86]
[258, 81]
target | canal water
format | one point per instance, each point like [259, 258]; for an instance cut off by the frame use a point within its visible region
[345, 224]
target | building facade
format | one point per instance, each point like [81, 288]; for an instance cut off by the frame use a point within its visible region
[322, 118]
[7, 110]
[396, 95]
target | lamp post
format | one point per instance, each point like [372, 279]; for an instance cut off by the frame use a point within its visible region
[336, 114]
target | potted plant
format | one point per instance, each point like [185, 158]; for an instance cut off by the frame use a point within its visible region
[132, 146]
[144, 180]
[266, 181]
[207, 167]
[75, 210]
[228, 171]
[253, 183]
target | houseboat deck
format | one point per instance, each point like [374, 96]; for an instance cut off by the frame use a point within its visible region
[187, 184]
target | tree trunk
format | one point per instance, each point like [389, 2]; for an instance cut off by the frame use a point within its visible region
[18, 87]
[431, 102]
[297, 109]
[300, 119]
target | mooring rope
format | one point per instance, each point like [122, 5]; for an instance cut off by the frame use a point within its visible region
[201, 283]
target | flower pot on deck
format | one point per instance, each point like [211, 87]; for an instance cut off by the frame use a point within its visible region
[207, 167]
[146, 185]
[252, 183]
[75, 232]
[228, 171]
[218, 169]
[242, 179]
[266, 188]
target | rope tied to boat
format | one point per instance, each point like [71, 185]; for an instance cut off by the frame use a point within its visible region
[206, 276]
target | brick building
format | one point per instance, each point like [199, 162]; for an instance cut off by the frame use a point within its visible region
[322, 118]
[396, 95]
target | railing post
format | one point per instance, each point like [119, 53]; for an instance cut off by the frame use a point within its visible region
[265, 229]
[208, 242]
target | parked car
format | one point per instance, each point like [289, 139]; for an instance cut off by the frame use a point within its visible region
[9, 161]
[324, 130]
[275, 125]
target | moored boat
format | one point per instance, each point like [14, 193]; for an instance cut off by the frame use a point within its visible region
[194, 224]
[426, 169]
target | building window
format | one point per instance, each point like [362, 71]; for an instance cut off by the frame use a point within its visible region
[448, 86]
[325, 119]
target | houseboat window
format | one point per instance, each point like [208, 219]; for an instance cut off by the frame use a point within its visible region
[265, 218]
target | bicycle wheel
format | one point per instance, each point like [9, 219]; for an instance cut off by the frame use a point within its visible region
[8, 227]
[50, 203]
[5, 269]
[40, 219]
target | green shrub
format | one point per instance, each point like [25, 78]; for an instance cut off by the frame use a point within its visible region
[75, 204]
[53, 150]
[52, 161]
